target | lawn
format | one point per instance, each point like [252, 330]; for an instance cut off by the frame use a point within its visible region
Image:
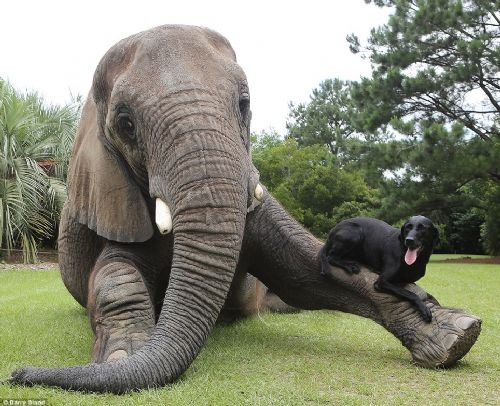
[312, 358]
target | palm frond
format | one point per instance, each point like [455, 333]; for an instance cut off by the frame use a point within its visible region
[35, 144]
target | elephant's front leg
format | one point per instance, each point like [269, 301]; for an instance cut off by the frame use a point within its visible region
[286, 258]
[120, 310]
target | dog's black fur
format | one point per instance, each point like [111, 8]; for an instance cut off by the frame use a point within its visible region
[385, 250]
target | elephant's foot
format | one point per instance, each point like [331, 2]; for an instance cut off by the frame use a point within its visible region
[120, 310]
[439, 343]
[273, 303]
[249, 296]
[114, 344]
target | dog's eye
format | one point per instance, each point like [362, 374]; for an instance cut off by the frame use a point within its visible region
[409, 226]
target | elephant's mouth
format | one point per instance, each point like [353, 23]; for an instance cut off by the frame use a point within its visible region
[163, 214]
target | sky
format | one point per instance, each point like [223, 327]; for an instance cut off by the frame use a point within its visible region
[286, 48]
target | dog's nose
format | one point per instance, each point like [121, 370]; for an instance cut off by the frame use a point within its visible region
[409, 241]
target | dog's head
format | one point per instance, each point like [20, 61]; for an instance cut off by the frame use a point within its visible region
[418, 234]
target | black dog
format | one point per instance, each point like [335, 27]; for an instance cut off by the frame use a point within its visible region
[399, 257]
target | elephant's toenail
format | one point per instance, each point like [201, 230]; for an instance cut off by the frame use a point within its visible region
[116, 355]
[465, 322]
[449, 340]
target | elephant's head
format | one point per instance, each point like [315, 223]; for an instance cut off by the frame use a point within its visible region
[164, 138]
[167, 121]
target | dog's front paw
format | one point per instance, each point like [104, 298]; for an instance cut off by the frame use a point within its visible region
[426, 313]
[351, 267]
[348, 266]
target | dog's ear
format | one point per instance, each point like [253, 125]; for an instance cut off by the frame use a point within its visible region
[402, 233]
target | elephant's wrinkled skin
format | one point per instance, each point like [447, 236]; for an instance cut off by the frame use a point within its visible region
[168, 118]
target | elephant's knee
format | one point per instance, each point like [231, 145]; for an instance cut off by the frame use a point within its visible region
[120, 309]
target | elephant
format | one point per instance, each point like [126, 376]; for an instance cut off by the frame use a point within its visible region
[167, 227]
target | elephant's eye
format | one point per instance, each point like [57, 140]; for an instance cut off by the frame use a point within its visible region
[125, 125]
[244, 105]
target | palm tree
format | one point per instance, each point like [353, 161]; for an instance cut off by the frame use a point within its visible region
[35, 142]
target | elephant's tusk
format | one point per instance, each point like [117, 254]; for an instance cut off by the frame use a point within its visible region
[259, 192]
[163, 217]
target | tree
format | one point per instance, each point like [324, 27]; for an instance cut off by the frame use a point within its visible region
[434, 58]
[34, 152]
[435, 81]
[432, 171]
[309, 183]
[491, 227]
[325, 120]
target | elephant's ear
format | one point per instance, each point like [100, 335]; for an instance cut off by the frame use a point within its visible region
[101, 195]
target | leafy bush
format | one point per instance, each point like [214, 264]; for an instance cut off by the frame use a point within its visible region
[309, 183]
[35, 144]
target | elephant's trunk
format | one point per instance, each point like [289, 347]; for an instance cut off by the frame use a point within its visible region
[208, 224]
[208, 213]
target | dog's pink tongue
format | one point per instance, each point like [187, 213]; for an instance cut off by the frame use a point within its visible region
[411, 256]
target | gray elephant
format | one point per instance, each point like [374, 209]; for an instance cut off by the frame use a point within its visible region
[165, 218]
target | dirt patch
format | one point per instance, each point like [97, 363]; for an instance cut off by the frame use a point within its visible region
[41, 266]
[47, 260]
[469, 260]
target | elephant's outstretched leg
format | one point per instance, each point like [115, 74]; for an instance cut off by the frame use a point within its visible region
[286, 258]
[120, 310]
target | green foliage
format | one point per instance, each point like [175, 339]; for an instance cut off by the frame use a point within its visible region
[439, 172]
[35, 143]
[325, 120]
[463, 232]
[433, 59]
[491, 228]
[423, 130]
[309, 183]
[422, 167]
[434, 172]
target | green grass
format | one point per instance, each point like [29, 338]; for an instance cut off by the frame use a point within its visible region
[313, 358]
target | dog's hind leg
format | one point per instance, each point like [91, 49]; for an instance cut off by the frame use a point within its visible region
[343, 243]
